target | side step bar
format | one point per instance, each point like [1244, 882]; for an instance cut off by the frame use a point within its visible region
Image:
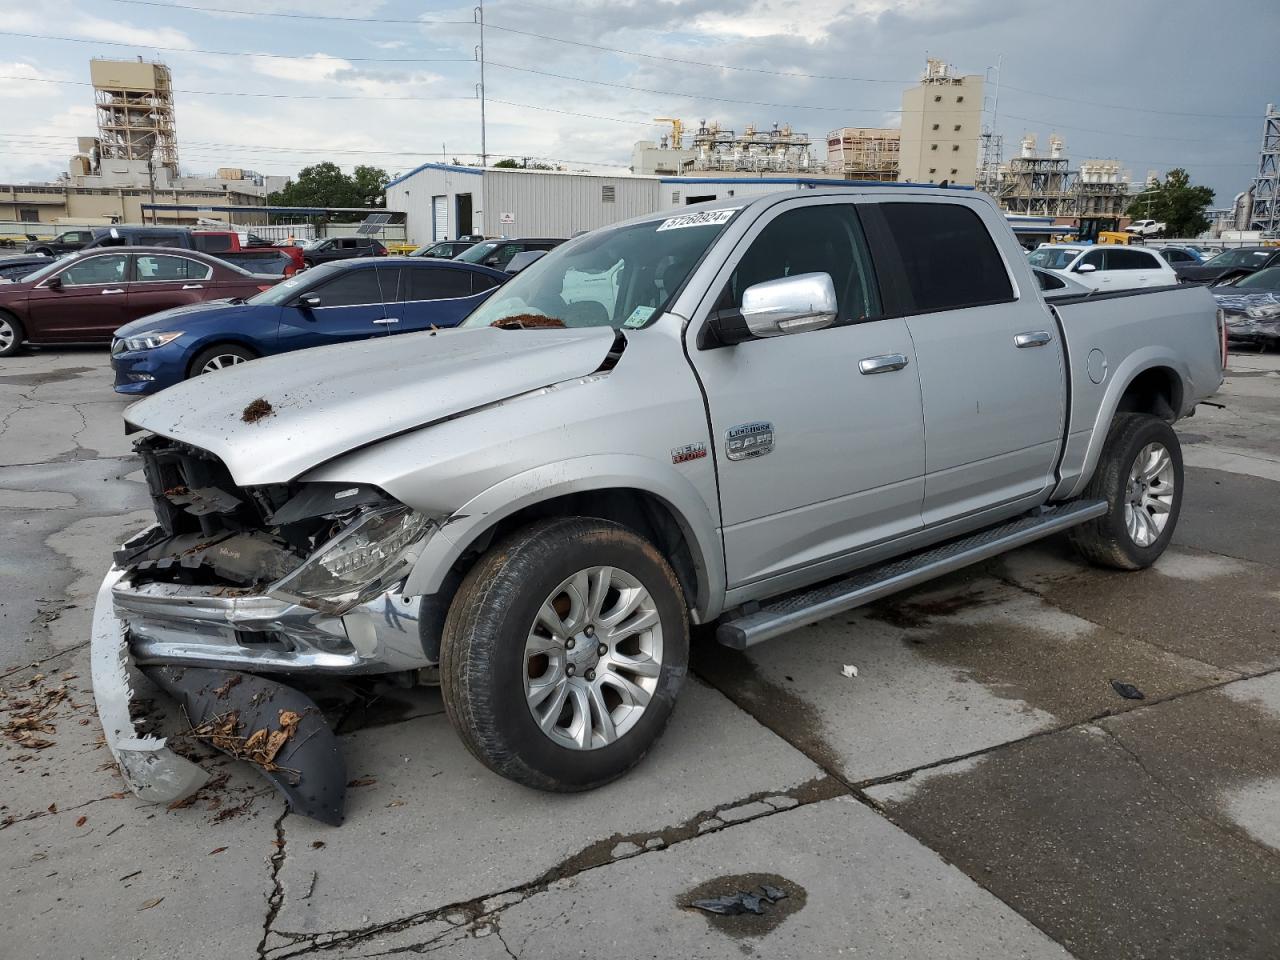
[778, 616]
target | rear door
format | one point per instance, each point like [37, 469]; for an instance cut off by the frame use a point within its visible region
[161, 281]
[353, 306]
[90, 305]
[437, 296]
[990, 361]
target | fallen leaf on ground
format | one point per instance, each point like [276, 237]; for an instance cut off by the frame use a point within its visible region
[150, 903]
[362, 782]
[82, 821]
[216, 850]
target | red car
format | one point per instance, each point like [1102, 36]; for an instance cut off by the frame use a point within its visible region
[85, 297]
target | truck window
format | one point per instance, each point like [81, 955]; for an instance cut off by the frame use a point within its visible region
[948, 257]
[816, 239]
[213, 242]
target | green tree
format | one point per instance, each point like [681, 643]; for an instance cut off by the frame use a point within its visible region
[1175, 202]
[510, 164]
[325, 185]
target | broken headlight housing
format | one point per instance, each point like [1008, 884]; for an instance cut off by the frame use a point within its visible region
[364, 559]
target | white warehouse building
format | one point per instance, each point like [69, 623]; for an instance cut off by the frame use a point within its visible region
[444, 201]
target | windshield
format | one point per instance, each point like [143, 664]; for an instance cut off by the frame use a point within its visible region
[1237, 258]
[286, 290]
[618, 277]
[1052, 258]
[1268, 279]
[479, 251]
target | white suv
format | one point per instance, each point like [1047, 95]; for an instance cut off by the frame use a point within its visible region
[1106, 267]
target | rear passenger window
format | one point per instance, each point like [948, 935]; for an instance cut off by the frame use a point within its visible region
[481, 282]
[1120, 259]
[948, 256]
[438, 284]
[816, 239]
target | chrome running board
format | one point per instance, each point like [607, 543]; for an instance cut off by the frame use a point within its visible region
[778, 616]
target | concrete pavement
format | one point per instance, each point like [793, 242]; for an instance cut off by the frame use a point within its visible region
[978, 790]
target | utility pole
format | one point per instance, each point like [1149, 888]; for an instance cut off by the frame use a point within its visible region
[479, 17]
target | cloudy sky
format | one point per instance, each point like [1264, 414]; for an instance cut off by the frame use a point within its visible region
[1152, 83]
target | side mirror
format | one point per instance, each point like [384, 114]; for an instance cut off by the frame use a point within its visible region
[53, 283]
[1086, 268]
[309, 301]
[796, 304]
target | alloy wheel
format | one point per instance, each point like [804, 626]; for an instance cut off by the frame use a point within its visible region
[592, 658]
[7, 334]
[1149, 494]
[220, 361]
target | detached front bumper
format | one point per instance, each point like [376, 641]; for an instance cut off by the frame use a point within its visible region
[185, 637]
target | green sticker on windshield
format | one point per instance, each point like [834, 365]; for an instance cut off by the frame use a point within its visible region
[639, 316]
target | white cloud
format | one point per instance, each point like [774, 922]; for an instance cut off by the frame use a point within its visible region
[317, 66]
[84, 25]
[19, 79]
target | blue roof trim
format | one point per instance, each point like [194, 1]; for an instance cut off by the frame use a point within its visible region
[449, 167]
[242, 208]
[815, 182]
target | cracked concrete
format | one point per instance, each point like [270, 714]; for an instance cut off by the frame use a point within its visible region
[978, 790]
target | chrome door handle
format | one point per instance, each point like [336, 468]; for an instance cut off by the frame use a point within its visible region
[883, 364]
[388, 320]
[113, 291]
[1036, 338]
[193, 286]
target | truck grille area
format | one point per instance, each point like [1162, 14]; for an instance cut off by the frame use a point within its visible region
[212, 532]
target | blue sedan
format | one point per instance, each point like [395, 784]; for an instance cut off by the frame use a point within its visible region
[344, 300]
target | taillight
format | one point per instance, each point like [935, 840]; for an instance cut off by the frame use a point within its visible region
[1222, 336]
[380, 252]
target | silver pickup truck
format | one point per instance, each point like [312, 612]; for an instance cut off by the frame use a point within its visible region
[757, 412]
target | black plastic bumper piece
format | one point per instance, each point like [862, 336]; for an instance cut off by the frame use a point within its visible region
[312, 775]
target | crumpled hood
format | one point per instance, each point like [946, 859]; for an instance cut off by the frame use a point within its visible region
[1235, 301]
[330, 400]
[167, 319]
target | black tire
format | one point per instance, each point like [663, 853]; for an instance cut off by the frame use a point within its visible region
[13, 343]
[47, 251]
[307, 263]
[218, 350]
[483, 661]
[1106, 541]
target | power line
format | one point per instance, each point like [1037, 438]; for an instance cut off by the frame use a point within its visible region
[245, 93]
[290, 16]
[238, 53]
[663, 58]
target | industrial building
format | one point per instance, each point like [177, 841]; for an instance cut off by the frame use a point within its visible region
[865, 153]
[941, 120]
[1265, 213]
[132, 161]
[1045, 185]
[445, 201]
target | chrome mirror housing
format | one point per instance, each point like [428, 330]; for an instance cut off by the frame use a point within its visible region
[796, 304]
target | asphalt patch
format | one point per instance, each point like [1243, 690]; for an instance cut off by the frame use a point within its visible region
[43, 377]
[1073, 832]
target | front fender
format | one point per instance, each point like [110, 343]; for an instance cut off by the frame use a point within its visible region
[581, 474]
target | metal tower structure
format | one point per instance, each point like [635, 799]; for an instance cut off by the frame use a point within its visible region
[135, 111]
[1266, 185]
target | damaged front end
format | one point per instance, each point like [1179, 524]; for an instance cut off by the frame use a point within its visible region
[294, 578]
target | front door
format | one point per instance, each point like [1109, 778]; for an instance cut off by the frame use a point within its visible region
[161, 281]
[990, 359]
[353, 306]
[818, 454]
[90, 304]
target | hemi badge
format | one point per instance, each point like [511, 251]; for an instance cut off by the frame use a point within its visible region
[690, 451]
[343, 494]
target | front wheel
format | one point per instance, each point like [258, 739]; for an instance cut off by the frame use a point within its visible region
[219, 357]
[11, 334]
[1140, 476]
[563, 652]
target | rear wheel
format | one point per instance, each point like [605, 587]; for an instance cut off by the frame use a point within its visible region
[218, 357]
[11, 334]
[1140, 477]
[563, 653]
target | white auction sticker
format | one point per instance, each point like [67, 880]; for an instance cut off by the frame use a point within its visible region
[708, 218]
